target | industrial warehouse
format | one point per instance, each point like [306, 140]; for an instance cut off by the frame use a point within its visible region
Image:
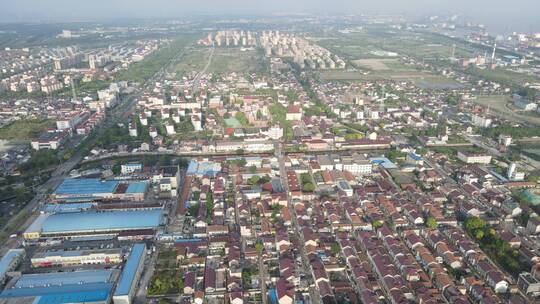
[89, 286]
[81, 286]
[92, 223]
[92, 189]
[83, 242]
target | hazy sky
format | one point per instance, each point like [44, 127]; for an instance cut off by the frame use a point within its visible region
[501, 15]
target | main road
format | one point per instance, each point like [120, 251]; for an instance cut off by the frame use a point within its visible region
[290, 205]
[197, 79]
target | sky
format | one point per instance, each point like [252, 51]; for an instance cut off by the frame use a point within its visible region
[498, 15]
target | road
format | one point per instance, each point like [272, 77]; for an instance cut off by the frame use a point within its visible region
[197, 79]
[477, 140]
[294, 223]
[262, 273]
[140, 296]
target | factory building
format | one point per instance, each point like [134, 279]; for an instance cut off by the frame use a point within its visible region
[63, 258]
[92, 223]
[89, 286]
[91, 189]
[127, 285]
[9, 262]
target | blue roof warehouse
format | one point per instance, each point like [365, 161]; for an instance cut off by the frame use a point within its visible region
[92, 223]
[90, 189]
[127, 285]
[89, 286]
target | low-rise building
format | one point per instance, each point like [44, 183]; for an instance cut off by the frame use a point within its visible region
[127, 284]
[474, 158]
[64, 258]
[9, 262]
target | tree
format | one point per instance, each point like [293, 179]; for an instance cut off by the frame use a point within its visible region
[210, 203]
[335, 249]
[22, 195]
[532, 178]
[474, 223]
[515, 157]
[246, 276]
[393, 155]
[421, 151]
[259, 247]
[193, 209]
[377, 224]
[241, 117]
[431, 223]
[165, 160]
[68, 154]
[308, 187]
[452, 100]
[527, 92]
[254, 180]
[352, 136]
[116, 169]
[479, 234]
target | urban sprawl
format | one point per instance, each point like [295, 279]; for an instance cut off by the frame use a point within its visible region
[300, 160]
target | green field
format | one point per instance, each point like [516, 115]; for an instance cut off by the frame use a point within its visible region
[376, 39]
[503, 76]
[421, 79]
[25, 129]
[382, 64]
[363, 49]
[232, 123]
[498, 105]
[224, 60]
[142, 71]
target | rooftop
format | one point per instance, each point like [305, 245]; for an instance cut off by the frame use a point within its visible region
[8, 258]
[88, 221]
[130, 269]
[383, 161]
[63, 278]
[65, 208]
[138, 187]
[71, 293]
[75, 253]
[85, 186]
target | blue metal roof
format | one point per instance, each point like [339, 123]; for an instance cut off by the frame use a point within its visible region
[415, 156]
[70, 293]
[192, 167]
[77, 297]
[130, 270]
[203, 168]
[99, 221]
[272, 293]
[85, 186]
[8, 258]
[137, 187]
[65, 208]
[63, 278]
[383, 161]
